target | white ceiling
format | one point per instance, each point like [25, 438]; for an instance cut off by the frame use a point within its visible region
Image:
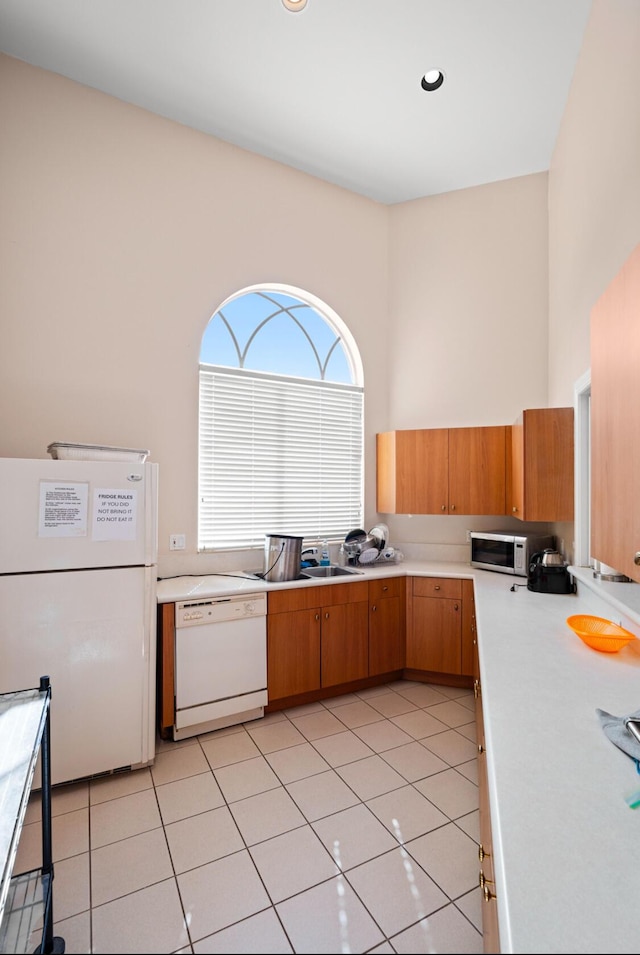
[334, 90]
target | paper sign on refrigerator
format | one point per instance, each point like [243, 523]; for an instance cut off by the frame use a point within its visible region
[114, 514]
[63, 509]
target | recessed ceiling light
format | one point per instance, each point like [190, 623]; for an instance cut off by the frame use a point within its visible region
[432, 80]
[294, 5]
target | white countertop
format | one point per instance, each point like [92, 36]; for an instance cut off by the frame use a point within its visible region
[566, 844]
[218, 585]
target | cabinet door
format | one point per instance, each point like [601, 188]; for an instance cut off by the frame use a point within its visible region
[615, 422]
[293, 653]
[468, 643]
[387, 600]
[515, 485]
[490, 927]
[434, 640]
[412, 471]
[345, 643]
[477, 470]
[542, 465]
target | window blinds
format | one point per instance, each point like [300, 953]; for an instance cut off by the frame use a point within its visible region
[277, 455]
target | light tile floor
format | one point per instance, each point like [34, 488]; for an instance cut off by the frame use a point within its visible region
[344, 826]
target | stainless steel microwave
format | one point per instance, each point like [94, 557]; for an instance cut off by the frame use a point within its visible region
[507, 553]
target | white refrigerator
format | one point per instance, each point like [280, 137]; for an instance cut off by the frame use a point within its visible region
[78, 577]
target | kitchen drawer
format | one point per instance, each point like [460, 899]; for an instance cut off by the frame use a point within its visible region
[387, 587]
[437, 587]
[307, 596]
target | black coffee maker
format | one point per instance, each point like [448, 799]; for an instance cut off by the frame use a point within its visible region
[549, 574]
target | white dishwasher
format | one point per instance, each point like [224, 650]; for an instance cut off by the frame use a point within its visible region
[220, 662]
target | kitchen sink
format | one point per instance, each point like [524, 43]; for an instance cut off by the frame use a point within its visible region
[333, 570]
[258, 575]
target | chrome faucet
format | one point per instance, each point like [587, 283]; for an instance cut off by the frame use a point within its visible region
[309, 561]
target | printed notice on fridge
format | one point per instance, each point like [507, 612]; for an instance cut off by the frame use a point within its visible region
[114, 514]
[63, 509]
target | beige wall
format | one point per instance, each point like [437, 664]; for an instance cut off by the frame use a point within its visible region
[468, 301]
[594, 186]
[468, 304]
[122, 232]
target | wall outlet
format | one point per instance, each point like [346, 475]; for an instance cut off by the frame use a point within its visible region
[176, 542]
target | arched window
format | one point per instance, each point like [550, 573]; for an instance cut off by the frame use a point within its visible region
[281, 421]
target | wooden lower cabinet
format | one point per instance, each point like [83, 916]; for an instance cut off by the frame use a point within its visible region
[434, 642]
[387, 624]
[293, 652]
[344, 643]
[468, 649]
[442, 626]
[316, 637]
[486, 875]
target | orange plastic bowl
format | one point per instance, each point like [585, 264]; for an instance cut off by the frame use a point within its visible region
[600, 634]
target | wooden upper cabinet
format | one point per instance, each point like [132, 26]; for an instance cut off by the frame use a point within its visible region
[442, 471]
[412, 475]
[541, 487]
[477, 471]
[615, 422]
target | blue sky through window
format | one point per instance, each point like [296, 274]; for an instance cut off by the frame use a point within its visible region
[280, 345]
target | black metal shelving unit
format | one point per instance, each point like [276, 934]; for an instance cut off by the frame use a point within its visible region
[26, 899]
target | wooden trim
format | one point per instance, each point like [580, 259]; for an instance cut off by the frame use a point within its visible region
[327, 692]
[165, 702]
[443, 679]
[306, 597]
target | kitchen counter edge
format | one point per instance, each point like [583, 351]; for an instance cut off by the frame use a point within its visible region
[171, 589]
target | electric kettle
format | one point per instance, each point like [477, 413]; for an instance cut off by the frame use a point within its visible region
[548, 573]
[551, 558]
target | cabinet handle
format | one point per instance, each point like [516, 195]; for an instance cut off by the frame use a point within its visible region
[487, 894]
[456, 607]
[453, 507]
[437, 587]
[636, 559]
[385, 588]
[480, 749]
[326, 616]
[514, 509]
[484, 881]
[374, 608]
[444, 507]
[317, 616]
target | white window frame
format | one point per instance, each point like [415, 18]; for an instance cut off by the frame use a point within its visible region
[320, 474]
[582, 470]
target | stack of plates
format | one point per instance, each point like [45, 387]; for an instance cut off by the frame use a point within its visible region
[380, 534]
